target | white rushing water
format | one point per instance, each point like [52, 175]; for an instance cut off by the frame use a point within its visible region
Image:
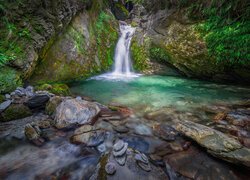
[122, 68]
[122, 64]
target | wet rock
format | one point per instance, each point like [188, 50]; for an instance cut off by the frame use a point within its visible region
[165, 132]
[53, 104]
[92, 138]
[217, 143]
[238, 119]
[29, 91]
[119, 145]
[121, 129]
[33, 133]
[121, 160]
[20, 91]
[122, 151]
[142, 158]
[15, 111]
[72, 111]
[142, 129]
[78, 98]
[84, 129]
[220, 117]
[44, 124]
[145, 167]
[38, 101]
[131, 170]
[196, 164]
[110, 168]
[5, 105]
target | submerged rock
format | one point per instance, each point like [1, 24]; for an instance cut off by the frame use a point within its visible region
[217, 143]
[196, 164]
[110, 168]
[72, 111]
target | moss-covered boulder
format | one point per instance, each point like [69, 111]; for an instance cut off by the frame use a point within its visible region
[15, 111]
[52, 104]
[184, 48]
[9, 79]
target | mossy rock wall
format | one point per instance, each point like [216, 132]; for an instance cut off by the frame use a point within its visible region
[85, 48]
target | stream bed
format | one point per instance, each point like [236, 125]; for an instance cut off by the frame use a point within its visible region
[146, 107]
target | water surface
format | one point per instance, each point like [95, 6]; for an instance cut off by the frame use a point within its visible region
[153, 92]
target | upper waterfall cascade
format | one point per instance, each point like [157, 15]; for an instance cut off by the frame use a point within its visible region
[122, 68]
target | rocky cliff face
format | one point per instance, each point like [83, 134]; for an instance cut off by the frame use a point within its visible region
[166, 34]
[59, 38]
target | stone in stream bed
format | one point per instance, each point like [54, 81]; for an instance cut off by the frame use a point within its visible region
[121, 160]
[165, 132]
[38, 101]
[72, 111]
[110, 168]
[216, 143]
[122, 151]
[131, 170]
[91, 138]
[142, 161]
[121, 129]
[33, 133]
[119, 145]
[195, 164]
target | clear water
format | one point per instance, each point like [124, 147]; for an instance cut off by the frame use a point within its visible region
[153, 92]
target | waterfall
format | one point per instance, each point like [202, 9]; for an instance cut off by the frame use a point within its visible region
[122, 68]
[122, 64]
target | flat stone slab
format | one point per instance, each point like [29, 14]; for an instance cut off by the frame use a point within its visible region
[216, 143]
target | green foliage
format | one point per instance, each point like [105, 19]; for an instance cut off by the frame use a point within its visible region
[58, 89]
[12, 36]
[226, 29]
[106, 37]
[140, 56]
[158, 54]
[9, 79]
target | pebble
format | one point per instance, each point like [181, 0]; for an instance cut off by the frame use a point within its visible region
[110, 168]
[142, 158]
[145, 167]
[119, 145]
[121, 160]
[121, 129]
[78, 98]
[122, 151]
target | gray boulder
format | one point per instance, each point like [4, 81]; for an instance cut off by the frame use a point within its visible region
[71, 112]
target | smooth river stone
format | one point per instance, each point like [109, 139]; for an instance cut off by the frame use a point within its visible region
[145, 167]
[121, 160]
[119, 145]
[142, 158]
[110, 168]
[122, 151]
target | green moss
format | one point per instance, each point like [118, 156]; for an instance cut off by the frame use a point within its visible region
[2, 98]
[139, 56]
[52, 105]
[159, 54]
[60, 89]
[106, 39]
[9, 79]
[16, 111]
[57, 89]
